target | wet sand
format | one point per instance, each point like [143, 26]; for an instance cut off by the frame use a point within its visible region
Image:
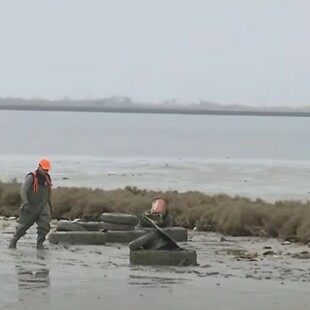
[270, 180]
[233, 273]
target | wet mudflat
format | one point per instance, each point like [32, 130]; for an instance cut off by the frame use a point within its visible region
[233, 273]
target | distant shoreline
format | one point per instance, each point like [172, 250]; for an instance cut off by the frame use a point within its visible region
[151, 110]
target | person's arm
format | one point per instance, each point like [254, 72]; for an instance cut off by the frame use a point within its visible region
[25, 187]
[49, 201]
[49, 195]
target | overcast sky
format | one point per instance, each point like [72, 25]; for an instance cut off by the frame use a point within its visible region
[251, 52]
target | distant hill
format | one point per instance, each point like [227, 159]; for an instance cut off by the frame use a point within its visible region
[126, 105]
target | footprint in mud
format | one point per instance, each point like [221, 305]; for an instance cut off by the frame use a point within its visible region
[207, 274]
[153, 281]
[32, 278]
[95, 252]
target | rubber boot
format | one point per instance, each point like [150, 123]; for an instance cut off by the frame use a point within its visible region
[13, 242]
[40, 241]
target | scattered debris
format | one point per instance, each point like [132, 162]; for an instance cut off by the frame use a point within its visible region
[267, 247]
[292, 239]
[272, 253]
[250, 256]
[302, 255]
[286, 243]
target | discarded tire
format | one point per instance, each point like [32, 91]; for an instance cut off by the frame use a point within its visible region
[177, 233]
[164, 258]
[124, 236]
[78, 237]
[90, 226]
[115, 226]
[120, 218]
[141, 241]
[69, 226]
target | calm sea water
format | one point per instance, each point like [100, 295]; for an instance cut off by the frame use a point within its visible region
[266, 157]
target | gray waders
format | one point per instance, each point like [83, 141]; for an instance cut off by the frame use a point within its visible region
[35, 210]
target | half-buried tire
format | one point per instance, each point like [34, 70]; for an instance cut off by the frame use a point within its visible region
[177, 233]
[120, 218]
[163, 257]
[118, 236]
[78, 237]
[69, 226]
[115, 226]
[90, 226]
[141, 241]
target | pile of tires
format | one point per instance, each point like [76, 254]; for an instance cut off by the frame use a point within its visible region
[118, 221]
[119, 228]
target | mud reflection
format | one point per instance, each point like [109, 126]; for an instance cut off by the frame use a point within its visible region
[33, 280]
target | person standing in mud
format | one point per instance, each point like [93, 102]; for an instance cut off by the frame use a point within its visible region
[36, 204]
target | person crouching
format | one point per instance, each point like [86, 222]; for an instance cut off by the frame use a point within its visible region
[159, 213]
